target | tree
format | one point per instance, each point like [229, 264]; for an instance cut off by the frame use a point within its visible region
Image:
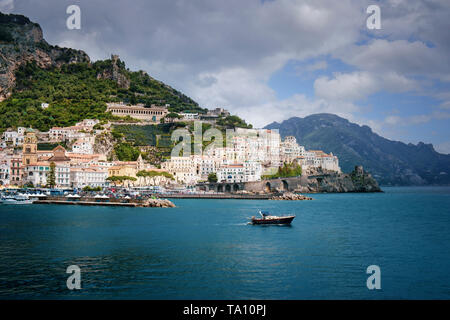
[51, 178]
[126, 152]
[153, 174]
[212, 177]
[120, 179]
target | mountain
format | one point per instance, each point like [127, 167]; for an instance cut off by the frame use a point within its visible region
[21, 41]
[390, 162]
[33, 72]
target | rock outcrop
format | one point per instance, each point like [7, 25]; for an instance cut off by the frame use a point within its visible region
[159, 203]
[356, 181]
[291, 196]
[22, 41]
[113, 73]
[319, 181]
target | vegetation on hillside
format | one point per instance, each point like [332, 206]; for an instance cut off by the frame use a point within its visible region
[77, 91]
[285, 171]
[126, 152]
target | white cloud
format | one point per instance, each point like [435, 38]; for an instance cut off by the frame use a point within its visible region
[223, 53]
[416, 119]
[319, 65]
[6, 6]
[443, 147]
[359, 85]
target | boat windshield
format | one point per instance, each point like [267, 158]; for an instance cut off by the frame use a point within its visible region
[264, 214]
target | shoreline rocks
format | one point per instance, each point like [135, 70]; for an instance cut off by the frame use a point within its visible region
[159, 203]
[291, 197]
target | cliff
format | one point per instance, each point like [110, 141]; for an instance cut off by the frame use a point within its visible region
[357, 181]
[320, 181]
[22, 41]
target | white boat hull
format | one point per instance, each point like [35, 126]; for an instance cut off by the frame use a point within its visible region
[13, 201]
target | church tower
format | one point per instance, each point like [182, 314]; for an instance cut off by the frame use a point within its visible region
[29, 150]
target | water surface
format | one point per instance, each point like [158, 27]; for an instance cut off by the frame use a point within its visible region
[204, 249]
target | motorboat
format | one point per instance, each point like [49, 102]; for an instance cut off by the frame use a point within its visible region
[16, 199]
[267, 218]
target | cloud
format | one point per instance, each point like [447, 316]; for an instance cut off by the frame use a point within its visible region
[359, 85]
[319, 65]
[223, 53]
[416, 119]
[443, 147]
[6, 6]
[400, 56]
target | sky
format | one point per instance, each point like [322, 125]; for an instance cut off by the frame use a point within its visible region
[275, 59]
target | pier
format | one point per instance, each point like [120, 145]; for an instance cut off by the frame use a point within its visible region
[109, 202]
[88, 203]
[219, 196]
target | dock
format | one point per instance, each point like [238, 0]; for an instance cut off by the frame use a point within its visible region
[88, 203]
[107, 202]
[218, 196]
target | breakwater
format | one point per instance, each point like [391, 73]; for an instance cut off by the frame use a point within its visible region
[111, 202]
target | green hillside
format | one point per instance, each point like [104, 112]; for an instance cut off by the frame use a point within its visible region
[80, 90]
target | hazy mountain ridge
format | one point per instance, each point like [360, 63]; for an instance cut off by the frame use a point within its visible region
[390, 162]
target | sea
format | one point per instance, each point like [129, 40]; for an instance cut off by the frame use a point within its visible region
[205, 249]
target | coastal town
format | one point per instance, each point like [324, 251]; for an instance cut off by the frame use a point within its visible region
[249, 156]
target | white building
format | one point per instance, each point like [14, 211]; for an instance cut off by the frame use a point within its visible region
[37, 174]
[205, 165]
[290, 150]
[240, 172]
[87, 123]
[67, 133]
[4, 174]
[13, 137]
[183, 169]
[93, 177]
[189, 116]
[83, 146]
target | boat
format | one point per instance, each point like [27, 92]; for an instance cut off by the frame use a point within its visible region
[16, 199]
[266, 218]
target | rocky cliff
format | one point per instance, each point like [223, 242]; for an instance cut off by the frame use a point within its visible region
[22, 41]
[357, 181]
[320, 181]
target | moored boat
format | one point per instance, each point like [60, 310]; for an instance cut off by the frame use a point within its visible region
[266, 218]
[16, 199]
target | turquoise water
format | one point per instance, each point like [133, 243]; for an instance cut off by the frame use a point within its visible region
[203, 249]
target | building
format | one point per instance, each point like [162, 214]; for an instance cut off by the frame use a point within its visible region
[183, 169]
[14, 138]
[38, 174]
[152, 114]
[290, 150]
[67, 133]
[83, 146]
[4, 174]
[88, 124]
[16, 170]
[220, 112]
[29, 148]
[92, 177]
[205, 165]
[240, 172]
[189, 116]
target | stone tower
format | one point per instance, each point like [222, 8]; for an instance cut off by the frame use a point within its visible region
[29, 149]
